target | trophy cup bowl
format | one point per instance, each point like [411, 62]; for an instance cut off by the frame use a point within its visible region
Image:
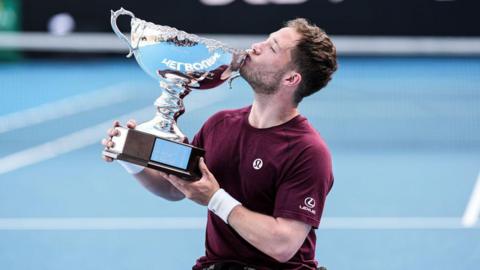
[180, 62]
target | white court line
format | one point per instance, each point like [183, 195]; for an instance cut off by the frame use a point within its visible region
[69, 106]
[176, 223]
[472, 212]
[79, 139]
[63, 145]
[164, 223]
[393, 223]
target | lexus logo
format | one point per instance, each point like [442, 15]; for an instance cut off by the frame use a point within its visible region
[257, 164]
[309, 202]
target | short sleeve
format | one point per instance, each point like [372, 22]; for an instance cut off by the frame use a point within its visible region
[199, 140]
[302, 191]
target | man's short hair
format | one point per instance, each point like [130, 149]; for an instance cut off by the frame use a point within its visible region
[315, 57]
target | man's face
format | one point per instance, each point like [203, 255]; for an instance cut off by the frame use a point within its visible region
[269, 60]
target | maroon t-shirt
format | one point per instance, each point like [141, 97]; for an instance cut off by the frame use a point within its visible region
[282, 171]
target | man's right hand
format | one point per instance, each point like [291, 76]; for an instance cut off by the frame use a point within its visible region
[111, 132]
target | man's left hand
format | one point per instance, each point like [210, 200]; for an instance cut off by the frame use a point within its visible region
[200, 191]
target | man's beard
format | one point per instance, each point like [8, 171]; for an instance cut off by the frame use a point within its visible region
[262, 82]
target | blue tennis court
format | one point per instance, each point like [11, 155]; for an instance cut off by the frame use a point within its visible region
[403, 132]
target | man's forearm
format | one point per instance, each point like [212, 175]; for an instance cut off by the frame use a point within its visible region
[278, 238]
[159, 186]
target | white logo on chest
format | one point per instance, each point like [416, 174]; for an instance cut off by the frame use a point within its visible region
[257, 164]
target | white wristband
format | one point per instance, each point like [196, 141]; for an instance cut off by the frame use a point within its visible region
[130, 167]
[222, 204]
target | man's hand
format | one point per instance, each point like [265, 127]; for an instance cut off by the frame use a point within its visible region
[149, 178]
[200, 191]
[111, 132]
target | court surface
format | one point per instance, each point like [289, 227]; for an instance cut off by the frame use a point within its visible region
[404, 134]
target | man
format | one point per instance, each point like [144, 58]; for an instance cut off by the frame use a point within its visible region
[266, 171]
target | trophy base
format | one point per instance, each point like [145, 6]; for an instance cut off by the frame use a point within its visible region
[154, 152]
[154, 127]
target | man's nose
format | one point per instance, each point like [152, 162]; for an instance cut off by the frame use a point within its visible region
[257, 48]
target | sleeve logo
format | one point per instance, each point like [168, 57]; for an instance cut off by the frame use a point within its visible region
[308, 205]
[309, 202]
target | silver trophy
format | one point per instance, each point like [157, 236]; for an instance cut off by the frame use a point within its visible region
[180, 62]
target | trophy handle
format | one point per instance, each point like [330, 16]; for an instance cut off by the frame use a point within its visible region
[113, 21]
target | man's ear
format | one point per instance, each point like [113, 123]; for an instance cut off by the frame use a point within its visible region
[292, 79]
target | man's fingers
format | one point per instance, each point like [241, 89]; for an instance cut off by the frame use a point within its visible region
[175, 180]
[178, 179]
[107, 159]
[175, 183]
[203, 167]
[113, 132]
[108, 143]
[104, 142]
[162, 174]
[131, 123]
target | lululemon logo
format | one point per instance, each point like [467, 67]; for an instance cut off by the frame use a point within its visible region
[257, 164]
[309, 202]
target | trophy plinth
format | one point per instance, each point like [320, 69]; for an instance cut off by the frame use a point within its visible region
[180, 62]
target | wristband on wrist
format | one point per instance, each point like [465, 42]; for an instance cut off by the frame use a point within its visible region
[130, 167]
[222, 204]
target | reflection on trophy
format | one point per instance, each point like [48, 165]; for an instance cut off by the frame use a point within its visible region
[180, 62]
